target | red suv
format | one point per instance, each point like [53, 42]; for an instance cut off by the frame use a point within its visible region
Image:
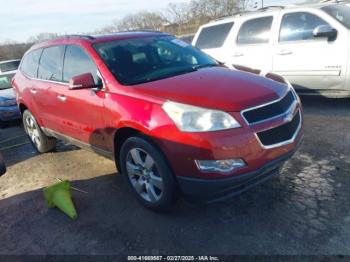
[173, 119]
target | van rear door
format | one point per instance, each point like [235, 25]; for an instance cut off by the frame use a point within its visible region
[253, 44]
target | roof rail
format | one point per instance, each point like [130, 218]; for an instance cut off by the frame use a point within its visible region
[271, 7]
[334, 1]
[139, 30]
[263, 9]
[80, 36]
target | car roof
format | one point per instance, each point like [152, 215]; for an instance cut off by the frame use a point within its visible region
[98, 38]
[273, 9]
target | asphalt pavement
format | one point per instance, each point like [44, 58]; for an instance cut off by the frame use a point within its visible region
[304, 211]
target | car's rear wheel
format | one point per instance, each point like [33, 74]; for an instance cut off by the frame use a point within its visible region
[39, 140]
[148, 174]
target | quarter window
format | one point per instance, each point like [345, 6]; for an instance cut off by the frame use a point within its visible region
[51, 64]
[78, 62]
[255, 31]
[299, 26]
[213, 36]
[31, 62]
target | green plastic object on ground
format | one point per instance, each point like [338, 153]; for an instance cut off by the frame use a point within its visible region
[58, 195]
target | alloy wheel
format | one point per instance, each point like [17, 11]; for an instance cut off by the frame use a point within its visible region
[33, 131]
[143, 174]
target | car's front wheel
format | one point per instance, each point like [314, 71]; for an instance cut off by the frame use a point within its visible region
[148, 173]
[40, 141]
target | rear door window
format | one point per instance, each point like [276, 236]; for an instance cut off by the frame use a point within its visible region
[51, 64]
[78, 62]
[299, 26]
[30, 63]
[213, 36]
[255, 31]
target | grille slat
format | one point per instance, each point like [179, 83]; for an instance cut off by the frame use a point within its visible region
[281, 133]
[269, 111]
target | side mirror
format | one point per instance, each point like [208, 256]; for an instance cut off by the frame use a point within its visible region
[82, 82]
[325, 31]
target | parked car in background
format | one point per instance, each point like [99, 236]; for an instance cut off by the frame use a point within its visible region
[9, 66]
[307, 44]
[2, 166]
[171, 117]
[8, 105]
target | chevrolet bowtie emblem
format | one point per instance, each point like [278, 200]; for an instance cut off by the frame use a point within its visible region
[290, 115]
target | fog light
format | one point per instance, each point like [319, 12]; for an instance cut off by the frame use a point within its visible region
[220, 166]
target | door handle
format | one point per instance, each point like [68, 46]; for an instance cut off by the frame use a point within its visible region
[238, 54]
[285, 52]
[62, 98]
[33, 91]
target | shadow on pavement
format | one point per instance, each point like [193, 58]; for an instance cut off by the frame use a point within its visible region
[297, 213]
[317, 105]
[16, 147]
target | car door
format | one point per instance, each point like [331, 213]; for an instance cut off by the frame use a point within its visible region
[81, 110]
[306, 61]
[253, 47]
[29, 69]
[48, 87]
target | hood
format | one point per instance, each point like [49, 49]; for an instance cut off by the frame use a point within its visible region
[216, 88]
[7, 94]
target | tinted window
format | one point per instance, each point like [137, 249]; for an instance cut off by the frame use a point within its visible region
[213, 36]
[78, 62]
[255, 31]
[299, 26]
[51, 64]
[134, 61]
[9, 66]
[339, 12]
[5, 81]
[31, 62]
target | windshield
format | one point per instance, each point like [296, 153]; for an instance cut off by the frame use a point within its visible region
[141, 60]
[5, 81]
[9, 66]
[339, 12]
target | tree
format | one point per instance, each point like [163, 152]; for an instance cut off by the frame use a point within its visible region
[42, 37]
[139, 21]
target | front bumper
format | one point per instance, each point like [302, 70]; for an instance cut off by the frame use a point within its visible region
[213, 190]
[8, 113]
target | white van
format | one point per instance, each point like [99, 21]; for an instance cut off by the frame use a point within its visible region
[307, 44]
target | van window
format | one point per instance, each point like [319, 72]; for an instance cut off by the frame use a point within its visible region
[51, 63]
[30, 63]
[213, 36]
[78, 62]
[9, 66]
[299, 26]
[255, 31]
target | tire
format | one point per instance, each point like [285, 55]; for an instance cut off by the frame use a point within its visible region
[148, 174]
[39, 140]
[2, 124]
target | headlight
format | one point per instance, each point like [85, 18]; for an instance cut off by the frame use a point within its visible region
[8, 102]
[196, 119]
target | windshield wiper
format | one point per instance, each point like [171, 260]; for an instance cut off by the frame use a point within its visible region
[197, 67]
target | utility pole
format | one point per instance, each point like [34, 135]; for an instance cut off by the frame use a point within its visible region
[262, 3]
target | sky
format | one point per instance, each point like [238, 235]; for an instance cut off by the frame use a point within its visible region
[20, 19]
